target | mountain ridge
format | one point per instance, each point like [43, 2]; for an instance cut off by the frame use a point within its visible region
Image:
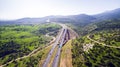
[80, 18]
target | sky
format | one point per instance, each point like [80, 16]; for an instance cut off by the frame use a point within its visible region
[15, 9]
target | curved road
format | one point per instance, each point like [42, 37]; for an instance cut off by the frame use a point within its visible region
[28, 54]
[101, 43]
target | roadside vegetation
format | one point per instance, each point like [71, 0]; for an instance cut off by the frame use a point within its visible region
[66, 55]
[19, 40]
[108, 37]
[35, 60]
[99, 55]
[104, 32]
[95, 26]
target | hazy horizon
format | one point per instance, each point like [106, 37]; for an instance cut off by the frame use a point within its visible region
[14, 9]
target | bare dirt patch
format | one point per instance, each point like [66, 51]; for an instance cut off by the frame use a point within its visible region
[66, 55]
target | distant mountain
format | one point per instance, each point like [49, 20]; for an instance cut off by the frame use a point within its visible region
[84, 19]
[23, 21]
[2, 22]
[81, 19]
[109, 15]
[74, 19]
[30, 20]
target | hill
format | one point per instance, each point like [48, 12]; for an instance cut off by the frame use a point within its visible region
[80, 19]
[99, 43]
[114, 14]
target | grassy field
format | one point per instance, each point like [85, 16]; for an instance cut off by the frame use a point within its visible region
[24, 38]
[46, 51]
[109, 38]
[99, 55]
[33, 61]
[66, 55]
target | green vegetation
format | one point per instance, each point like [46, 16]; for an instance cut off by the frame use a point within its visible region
[108, 37]
[77, 50]
[107, 32]
[98, 56]
[66, 55]
[31, 61]
[96, 26]
[19, 40]
[97, 50]
[102, 56]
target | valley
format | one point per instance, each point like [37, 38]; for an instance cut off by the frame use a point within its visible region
[61, 41]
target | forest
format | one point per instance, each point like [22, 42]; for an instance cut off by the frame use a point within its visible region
[19, 40]
[105, 38]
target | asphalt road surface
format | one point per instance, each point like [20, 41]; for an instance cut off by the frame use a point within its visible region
[56, 59]
[51, 51]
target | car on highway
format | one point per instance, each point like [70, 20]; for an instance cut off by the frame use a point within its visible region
[60, 46]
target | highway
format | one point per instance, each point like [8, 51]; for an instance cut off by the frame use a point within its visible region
[56, 58]
[60, 39]
[30, 54]
[51, 51]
